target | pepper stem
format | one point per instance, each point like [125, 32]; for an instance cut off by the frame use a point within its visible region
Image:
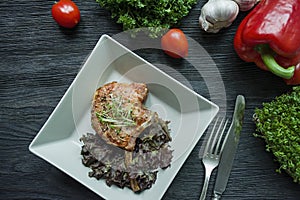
[267, 55]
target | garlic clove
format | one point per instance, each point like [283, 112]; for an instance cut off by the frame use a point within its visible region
[246, 5]
[218, 14]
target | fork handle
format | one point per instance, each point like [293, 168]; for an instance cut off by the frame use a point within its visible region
[205, 186]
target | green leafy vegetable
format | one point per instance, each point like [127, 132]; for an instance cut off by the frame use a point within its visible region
[148, 13]
[278, 123]
[108, 162]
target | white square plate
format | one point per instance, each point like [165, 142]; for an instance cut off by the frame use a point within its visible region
[58, 140]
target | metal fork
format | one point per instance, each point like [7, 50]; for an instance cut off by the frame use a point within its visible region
[212, 152]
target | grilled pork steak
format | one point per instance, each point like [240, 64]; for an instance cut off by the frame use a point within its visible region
[119, 116]
[120, 119]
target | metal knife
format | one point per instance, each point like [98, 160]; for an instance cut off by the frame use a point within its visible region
[230, 148]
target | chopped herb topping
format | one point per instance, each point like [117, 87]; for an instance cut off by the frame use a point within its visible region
[117, 115]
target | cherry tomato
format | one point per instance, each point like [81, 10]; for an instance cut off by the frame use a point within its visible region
[66, 13]
[175, 44]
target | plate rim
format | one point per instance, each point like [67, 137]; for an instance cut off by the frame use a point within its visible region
[214, 110]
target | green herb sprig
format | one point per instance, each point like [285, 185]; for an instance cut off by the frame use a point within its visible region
[278, 123]
[156, 14]
[116, 114]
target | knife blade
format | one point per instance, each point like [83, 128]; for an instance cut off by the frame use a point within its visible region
[230, 148]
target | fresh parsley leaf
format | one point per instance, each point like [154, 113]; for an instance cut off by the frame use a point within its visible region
[159, 14]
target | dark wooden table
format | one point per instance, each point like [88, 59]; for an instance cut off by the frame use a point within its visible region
[39, 60]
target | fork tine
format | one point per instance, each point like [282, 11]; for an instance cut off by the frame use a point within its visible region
[209, 141]
[220, 136]
[214, 148]
[225, 139]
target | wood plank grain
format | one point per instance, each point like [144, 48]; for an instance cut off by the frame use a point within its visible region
[39, 60]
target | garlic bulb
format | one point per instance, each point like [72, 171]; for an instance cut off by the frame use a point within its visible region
[246, 4]
[218, 14]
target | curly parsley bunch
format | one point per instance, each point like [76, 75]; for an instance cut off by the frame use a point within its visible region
[156, 14]
[278, 123]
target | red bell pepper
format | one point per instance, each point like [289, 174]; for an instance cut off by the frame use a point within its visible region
[270, 36]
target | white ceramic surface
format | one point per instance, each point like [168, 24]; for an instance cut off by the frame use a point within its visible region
[58, 140]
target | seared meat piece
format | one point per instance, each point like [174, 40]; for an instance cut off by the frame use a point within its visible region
[120, 119]
[118, 113]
